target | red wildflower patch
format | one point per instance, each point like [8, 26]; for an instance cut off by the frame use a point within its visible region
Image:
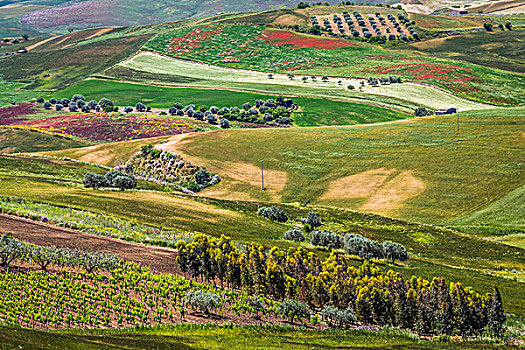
[278, 37]
[192, 40]
[12, 114]
[441, 72]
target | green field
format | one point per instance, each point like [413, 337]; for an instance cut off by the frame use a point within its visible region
[500, 50]
[314, 111]
[430, 173]
[188, 337]
[14, 92]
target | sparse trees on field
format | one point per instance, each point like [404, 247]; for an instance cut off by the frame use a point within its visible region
[47, 105]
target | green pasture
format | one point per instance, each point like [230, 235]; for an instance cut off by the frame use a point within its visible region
[189, 337]
[460, 174]
[314, 111]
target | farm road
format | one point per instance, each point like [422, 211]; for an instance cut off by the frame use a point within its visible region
[162, 259]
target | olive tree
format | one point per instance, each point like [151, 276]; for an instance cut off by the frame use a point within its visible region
[94, 181]
[394, 251]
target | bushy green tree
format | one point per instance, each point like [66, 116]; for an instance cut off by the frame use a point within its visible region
[293, 309]
[94, 181]
[273, 213]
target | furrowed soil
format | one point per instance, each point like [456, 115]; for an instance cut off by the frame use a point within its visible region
[158, 258]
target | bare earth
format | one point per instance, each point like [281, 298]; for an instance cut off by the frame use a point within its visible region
[162, 259]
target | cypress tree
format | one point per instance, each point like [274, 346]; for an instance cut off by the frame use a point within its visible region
[496, 316]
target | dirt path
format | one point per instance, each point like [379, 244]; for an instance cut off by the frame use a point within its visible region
[162, 259]
[35, 45]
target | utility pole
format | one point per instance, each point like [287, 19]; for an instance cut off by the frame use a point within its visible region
[262, 175]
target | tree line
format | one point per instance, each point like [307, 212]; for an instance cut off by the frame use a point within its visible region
[373, 296]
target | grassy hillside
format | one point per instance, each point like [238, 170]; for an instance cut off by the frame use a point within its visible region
[500, 50]
[418, 169]
[278, 51]
[314, 111]
[152, 68]
[504, 219]
[19, 141]
[50, 70]
[434, 251]
[189, 337]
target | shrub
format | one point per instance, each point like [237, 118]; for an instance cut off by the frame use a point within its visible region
[10, 249]
[214, 109]
[65, 102]
[73, 107]
[284, 120]
[128, 109]
[59, 107]
[326, 239]
[394, 251]
[421, 112]
[224, 123]
[104, 102]
[53, 101]
[92, 104]
[140, 107]
[199, 115]
[338, 317]
[294, 234]
[313, 219]
[85, 109]
[293, 309]
[350, 87]
[273, 213]
[77, 98]
[363, 247]
[94, 181]
[47, 105]
[212, 119]
[202, 301]
[40, 100]
[202, 177]
[124, 182]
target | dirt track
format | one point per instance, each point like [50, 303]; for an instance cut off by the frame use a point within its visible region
[162, 259]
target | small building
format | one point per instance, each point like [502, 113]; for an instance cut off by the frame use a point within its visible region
[458, 13]
[444, 111]
[22, 50]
